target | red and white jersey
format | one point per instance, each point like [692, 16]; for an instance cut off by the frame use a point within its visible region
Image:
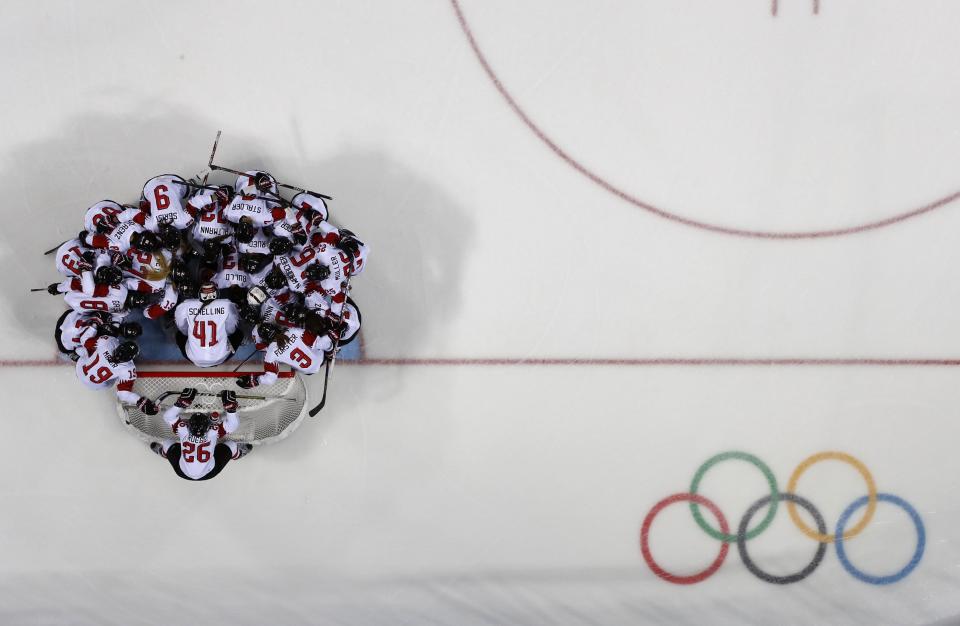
[82, 295]
[197, 453]
[211, 221]
[119, 238]
[327, 233]
[165, 198]
[96, 369]
[308, 207]
[101, 213]
[207, 329]
[150, 268]
[69, 259]
[294, 268]
[303, 352]
[76, 327]
[271, 311]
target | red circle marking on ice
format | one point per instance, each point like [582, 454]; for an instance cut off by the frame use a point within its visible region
[660, 212]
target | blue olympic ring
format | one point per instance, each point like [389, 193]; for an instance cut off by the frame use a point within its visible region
[870, 578]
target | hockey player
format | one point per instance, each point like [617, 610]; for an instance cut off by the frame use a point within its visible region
[165, 202]
[127, 235]
[208, 327]
[149, 273]
[100, 291]
[105, 359]
[303, 349]
[74, 328]
[199, 452]
[256, 199]
[73, 258]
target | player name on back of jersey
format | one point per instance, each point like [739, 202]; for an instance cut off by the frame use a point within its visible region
[208, 310]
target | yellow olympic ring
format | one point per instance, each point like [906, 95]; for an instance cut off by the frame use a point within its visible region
[871, 495]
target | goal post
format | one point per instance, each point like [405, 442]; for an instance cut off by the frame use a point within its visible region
[267, 413]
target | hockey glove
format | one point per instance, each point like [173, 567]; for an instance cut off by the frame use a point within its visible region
[120, 260]
[247, 382]
[186, 397]
[148, 406]
[229, 400]
[54, 289]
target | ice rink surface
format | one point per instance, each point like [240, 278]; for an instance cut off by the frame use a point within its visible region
[610, 240]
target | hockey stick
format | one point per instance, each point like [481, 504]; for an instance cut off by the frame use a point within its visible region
[38, 289]
[212, 166]
[55, 248]
[166, 394]
[333, 353]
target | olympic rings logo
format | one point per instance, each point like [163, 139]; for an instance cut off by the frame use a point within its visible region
[840, 535]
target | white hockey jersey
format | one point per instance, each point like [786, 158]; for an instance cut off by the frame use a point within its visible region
[211, 221]
[75, 328]
[96, 369]
[197, 453]
[166, 202]
[207, 329]
[69, 259]
[81, 294]
[303, 352]
[102, 212]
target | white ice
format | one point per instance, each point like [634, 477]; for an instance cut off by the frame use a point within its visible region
[433, 490]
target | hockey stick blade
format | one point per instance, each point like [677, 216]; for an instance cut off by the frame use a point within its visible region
[323, 398]
[55, 248]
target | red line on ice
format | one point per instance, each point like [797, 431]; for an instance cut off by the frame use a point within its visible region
[660, 212]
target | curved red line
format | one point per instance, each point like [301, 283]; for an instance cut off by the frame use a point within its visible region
[623, 195]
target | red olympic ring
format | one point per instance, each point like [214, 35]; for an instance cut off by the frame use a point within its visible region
[645, 542]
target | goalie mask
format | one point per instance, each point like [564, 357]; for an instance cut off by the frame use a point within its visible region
[208, 292]
[108, 275]
[125, 352]
[199, 424]
[317, 271]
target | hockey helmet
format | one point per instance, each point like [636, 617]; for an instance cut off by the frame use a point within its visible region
[317, 271]
[280, 245]
[199, 424]
[275, 279]
[135, 299]
[208, 292]
[268, 332]
[145, 241]
[108, 275]
[125, 352]
[130, 330]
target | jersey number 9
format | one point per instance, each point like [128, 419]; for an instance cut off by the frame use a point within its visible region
[161, 201]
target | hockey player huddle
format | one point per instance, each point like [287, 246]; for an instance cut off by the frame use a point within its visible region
[216, 267]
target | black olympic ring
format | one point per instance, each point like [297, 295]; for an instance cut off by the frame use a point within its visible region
[742, 540]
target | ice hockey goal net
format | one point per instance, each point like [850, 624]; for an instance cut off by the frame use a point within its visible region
[267, 413]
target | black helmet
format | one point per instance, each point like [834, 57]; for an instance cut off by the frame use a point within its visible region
[135, 299]
[317, 271]
[295, 313]
[130, 330]
[275, 279]
[169, 237]
[348, 243]
[179, 272]
[199, 424]
[280, 245]
[126, 351]
[249, 314]
[145, 241]
[253, 262]
[187, 289]
[108, 275]
[245, 230]
[268, 332]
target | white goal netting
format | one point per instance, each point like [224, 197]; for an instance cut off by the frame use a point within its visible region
[267, 413]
